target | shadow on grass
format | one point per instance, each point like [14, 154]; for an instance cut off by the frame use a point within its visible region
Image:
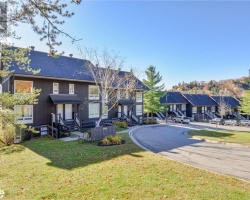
[11, 149]
[212, 134]
[70, 155]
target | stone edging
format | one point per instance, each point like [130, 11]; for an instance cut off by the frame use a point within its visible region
[218, 142]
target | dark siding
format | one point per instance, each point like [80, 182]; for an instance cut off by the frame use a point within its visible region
[42, 111]
[189, 110]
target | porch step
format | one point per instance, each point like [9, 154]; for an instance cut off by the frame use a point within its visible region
[71, 124]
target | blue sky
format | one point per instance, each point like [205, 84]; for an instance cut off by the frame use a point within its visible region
[185, 40]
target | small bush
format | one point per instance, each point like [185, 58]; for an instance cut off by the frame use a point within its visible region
[150, 121]
[111, 140]
[122, 124]
[105, 141]
[9, 132]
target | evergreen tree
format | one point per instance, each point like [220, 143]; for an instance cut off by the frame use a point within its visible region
[152, 96]
[45, 19]
[245, 103]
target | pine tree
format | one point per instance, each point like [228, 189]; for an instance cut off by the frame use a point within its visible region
[45, 19]
[245, 103]
[152, 96]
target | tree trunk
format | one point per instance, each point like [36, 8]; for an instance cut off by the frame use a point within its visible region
[99, 121]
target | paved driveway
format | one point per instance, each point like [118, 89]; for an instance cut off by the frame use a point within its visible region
[171, 142]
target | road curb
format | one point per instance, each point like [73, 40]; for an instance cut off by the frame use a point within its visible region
[218, 142]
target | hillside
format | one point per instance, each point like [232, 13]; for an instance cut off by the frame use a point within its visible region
[230, 87]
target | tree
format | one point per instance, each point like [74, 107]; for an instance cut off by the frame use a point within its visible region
[223, 107]
[245, 103]
[108, 76]
[152, 96]
[45, 17]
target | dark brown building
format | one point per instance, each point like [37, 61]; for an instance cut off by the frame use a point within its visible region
[66, 91]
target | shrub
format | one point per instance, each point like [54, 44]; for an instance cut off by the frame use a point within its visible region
[9, 132]
[105, 141]
[111, 140]
[152, 121]
[122, 124]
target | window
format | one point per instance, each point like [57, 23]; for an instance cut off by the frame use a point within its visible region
[127, 94]
[93, 92]
[23, 86]
[105, 112]
[194, 109]
[94, 110]
[183, 107]
[71, 89]
[138, 96]
[118, 94]
[25, 113]
[213, 109]
[55, 88]
[138, 109]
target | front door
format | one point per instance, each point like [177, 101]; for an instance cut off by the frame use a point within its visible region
[68, 111]
[119, 111]
[125, 110]
[174, 107]
[59, 111]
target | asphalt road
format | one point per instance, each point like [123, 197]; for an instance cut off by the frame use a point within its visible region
[171, 142]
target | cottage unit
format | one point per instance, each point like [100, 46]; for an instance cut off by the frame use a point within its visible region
[200, 107]
[231, 105]
[177, 103]
[67, 92]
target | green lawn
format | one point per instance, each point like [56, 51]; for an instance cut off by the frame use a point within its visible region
[240, 137]
[53, 169]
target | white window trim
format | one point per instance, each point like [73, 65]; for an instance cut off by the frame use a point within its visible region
[94, 97]
[126, 94]
[54, 92]
[213, 109]
[139, 97]
[118, 95]
[193, 110]
[138, 113]
[23, 81]
[25, 120]
[96, 115]
[71, 86]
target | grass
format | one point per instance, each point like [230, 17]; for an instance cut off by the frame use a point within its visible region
[53, 169]
[231, 136]
[121, 129]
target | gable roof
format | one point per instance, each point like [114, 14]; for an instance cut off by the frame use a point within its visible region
[63, 67]
[175, 98]
[200, 100]
[232, 102]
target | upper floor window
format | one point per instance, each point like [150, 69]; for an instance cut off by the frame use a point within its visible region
[23, 86]
[138, 96]
[93, 92]
[55, 88]
[127, 94]
[118, 94]
[71, 89]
